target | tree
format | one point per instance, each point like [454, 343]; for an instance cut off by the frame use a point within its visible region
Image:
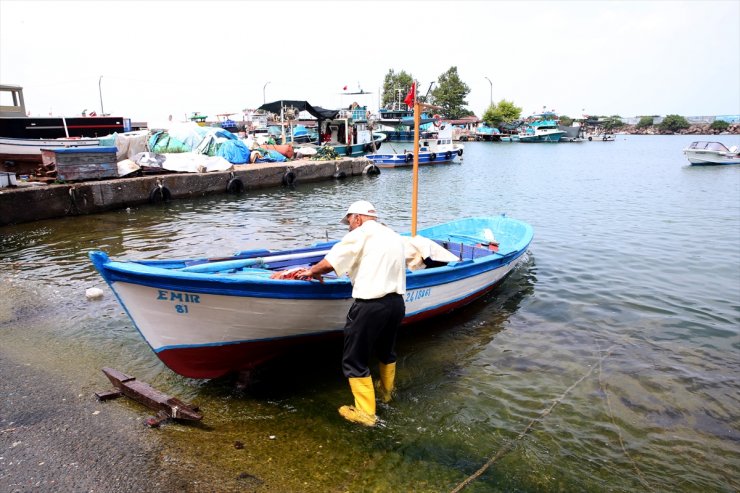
[450, 94]
[612, 122]
[645, 122]
[503, 112]
[392, 84]
[720, 125]
[673, 123]
[565, 120]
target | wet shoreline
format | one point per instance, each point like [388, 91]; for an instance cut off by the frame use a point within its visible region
[56, 437]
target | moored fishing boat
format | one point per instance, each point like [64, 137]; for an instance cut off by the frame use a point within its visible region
[206, 318]
[436, 147]
[350, 133]
[599, 136]
[22, 137]
[541, 128]
[30, 149]
[486, 133]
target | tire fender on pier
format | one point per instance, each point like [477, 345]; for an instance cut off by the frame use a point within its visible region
[371, 170]
[235, 185]
[289, 178]
[159, 194]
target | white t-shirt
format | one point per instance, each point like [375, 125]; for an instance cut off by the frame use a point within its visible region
[373, 256]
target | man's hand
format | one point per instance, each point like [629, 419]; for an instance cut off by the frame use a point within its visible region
[308, 274]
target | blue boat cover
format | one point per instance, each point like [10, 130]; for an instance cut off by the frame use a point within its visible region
[85, 150]
[234, 151]
[270, 156]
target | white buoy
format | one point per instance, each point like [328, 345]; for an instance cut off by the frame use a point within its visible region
[94, 293]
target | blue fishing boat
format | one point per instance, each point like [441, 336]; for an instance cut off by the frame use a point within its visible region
[398, 125]
[541, 127]
[436, 147]
[350, 133]
[205, 317]
[490, 134]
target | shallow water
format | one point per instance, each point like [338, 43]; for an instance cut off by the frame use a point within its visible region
[608, 361]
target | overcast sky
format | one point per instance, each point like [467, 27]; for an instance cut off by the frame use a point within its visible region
[160, 58]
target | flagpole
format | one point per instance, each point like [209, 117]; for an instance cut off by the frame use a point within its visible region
[415, 183]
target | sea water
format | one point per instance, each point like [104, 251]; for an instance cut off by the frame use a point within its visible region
[608, 361]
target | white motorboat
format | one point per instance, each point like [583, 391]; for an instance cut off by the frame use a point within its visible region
[710, 153]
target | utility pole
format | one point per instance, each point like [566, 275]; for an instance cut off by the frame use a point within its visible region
[100, 91]
[491, 83]
[263, 92]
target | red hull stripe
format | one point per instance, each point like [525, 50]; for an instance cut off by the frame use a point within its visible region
[217, 361]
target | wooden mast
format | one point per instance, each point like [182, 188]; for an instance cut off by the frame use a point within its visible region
[415, 182]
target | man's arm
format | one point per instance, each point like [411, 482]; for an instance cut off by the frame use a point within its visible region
[317, 270]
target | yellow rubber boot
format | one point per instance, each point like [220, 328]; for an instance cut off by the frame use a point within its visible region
[385, 387]
[363, 412]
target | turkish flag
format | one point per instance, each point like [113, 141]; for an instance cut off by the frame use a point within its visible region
[411, 96]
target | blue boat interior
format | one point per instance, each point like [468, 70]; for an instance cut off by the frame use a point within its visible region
[470, 240]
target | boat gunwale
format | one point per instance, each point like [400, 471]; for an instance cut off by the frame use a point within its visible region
[332, 288]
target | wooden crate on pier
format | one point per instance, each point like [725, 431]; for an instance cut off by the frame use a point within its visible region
[82, 163]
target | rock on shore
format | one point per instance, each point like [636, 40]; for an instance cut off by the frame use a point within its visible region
[703, 129]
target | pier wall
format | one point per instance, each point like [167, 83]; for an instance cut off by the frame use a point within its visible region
[32, 203]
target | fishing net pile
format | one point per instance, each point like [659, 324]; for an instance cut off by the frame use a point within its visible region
[325, 153]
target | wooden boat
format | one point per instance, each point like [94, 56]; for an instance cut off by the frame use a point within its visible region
[205, 318]
[711, 153]
[30, 149]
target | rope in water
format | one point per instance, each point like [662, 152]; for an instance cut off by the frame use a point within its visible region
[640, 477]
[506, 448]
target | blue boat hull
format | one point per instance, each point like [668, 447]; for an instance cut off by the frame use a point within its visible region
[540, 138]
[407, 159]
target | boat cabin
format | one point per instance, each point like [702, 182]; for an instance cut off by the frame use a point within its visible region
[438, 140]
[11, 101]
[703, 145]
[349, 127]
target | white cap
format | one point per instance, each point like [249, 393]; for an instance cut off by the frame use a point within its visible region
[360, 207]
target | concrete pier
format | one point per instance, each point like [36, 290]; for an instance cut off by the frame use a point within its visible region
[32, 203]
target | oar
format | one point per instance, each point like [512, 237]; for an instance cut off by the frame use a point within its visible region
[238, 264]
[474, 238]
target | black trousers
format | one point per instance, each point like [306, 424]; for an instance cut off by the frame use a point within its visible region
[371, 327]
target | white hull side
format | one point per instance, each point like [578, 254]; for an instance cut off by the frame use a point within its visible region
[168, 319]
[708, 157]
[33, 147]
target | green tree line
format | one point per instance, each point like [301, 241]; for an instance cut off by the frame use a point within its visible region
[450, 93]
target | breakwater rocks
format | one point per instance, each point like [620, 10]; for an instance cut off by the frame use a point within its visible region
[31, 203]
[733, 129]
